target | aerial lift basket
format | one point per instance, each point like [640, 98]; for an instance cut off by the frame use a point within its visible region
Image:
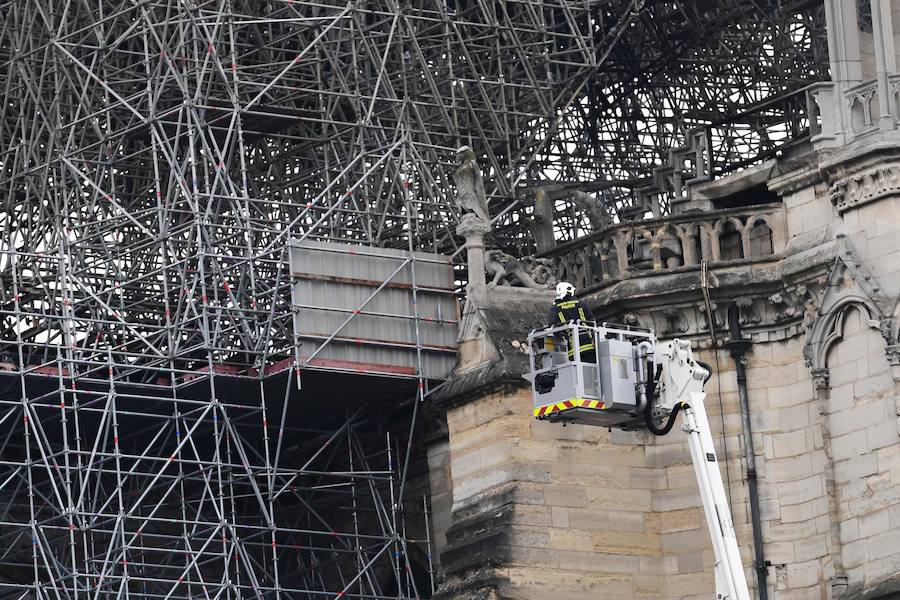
[568, 387]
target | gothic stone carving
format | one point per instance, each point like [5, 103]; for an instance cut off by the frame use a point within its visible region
[703, 321]
[747, 315]
[504, 269]
[674, 322]
[865, 186]
[470, 195]
[785, 306]
[767, 316]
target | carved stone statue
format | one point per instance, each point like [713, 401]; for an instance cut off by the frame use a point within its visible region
[594, 209]
[541, 221]
[508, 270]
[540, 269]
[470, 196]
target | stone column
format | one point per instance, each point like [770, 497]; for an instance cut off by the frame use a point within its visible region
[885, 60]
[822, 383]
[474, 229]
[893, 357]
[843, 42]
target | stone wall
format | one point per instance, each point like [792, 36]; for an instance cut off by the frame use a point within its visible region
[574, 507]
[593, 513]
[863, 422]
[535, 510]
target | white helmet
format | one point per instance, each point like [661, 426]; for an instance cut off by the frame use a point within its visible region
[564, 289]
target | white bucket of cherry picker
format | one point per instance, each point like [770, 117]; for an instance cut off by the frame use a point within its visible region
[568, 387]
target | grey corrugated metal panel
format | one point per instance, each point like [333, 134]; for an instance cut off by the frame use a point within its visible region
[370, 264]
[337, 248]
[343, 356]
[349, 296]
[387, 301]
[375, 328]
[332, 280]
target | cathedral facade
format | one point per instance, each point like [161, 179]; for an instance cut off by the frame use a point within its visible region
[786, 277]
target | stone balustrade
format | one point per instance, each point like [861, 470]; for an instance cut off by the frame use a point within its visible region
[839, 116]
[671, 243]
[862, 101]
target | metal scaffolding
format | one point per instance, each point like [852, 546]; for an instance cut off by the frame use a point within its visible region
[155, 159]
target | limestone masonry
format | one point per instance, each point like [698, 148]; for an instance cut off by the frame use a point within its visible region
[805, 250]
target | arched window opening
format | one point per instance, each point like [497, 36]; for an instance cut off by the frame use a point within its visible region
[761, 240]
[731, 247]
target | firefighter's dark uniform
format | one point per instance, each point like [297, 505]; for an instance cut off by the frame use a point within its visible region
[570, 309]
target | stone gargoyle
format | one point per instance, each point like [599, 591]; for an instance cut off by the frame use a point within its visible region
[504, 269]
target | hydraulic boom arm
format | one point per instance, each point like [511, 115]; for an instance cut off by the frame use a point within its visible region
[681, 389]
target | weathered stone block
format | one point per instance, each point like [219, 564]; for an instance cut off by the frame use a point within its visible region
[855, 468]
[789, 469]
[619, 498]
[591, 518]
[873, 523]
[681, 498]
[559, 516]
[849, 445]
[565, 495]
[783, 396]
[854, 553]
[651, 479]
[810, 548]
[626, 543]
[677, 542]
[882, 544]
[801, 490]
[790, 444]
[883, 434]
[665, 455]
[690, 562]
[780, 552]
[690, 585]
[532, 515]
[849, 530]
[571, 539]
[526, 555]
[625, 520]
[803, 574]
[861, 416]
[593, 561]
[676, 520]
[794, 417]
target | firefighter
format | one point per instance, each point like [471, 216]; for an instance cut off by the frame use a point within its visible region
[567, 309]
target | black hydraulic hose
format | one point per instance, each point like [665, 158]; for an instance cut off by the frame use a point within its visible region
[648, 419]
[670, 423]
[648, 409]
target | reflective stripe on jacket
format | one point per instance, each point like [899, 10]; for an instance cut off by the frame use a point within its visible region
[570, 309]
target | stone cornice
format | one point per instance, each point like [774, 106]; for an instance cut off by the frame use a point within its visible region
[776, 297]
[865, 186]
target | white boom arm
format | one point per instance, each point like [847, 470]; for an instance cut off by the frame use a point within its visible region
[681, 388]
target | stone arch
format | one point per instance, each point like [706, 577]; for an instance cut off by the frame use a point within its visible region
[691, 242]
[730, 239]
[759, 237]
[848, 284]
[709, 246]
[828, 329]
[665, 244]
